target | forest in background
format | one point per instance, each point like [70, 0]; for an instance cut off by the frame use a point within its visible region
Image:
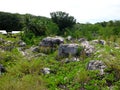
[35, 26]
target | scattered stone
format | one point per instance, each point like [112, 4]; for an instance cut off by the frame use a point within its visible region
[89, 49]
[46, 70]
[102, 42]
[39, 54]
[68, 49]
[21, 43]
[62, 87]
[35, 49]
[8, 46]
[2, 40]
[96, 65]
[85, 43]
[81, 40]
[73, 59]
[51, 41]
[22, 51]
[69, 38]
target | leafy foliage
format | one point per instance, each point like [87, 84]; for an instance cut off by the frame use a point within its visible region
[10, 22]
[63, 20]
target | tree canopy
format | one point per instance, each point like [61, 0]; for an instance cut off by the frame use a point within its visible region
[10, 22]
[62, 19]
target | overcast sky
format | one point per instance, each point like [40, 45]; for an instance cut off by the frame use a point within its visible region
[83, 10]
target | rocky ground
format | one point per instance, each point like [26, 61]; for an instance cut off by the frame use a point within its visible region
[59, 63]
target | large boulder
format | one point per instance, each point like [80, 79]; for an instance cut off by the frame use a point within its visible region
[51, 41]
[68, 49]
[96, 65]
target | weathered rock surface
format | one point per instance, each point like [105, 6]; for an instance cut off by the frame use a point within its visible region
[46, 70]
[21, 43]
[102, 42]
[2, 40]
[35, 49]
[96, 65]
[67, 49]
[69, 38]
[51, 41]
[73, 59]
[89, 49]
[81, 40]
[7, 45]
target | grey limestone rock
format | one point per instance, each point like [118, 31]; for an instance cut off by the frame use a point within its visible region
[67, 49]
[96, 65]
[51, 41]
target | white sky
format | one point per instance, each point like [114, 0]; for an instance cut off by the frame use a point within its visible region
[83, 10]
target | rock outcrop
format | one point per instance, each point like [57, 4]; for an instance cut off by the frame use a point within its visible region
[89, 49]
[96, 65]
[67, 49]
[51, 41]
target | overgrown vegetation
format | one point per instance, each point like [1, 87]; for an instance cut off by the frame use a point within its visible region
[25, 72]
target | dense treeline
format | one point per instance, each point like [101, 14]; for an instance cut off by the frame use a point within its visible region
[60, 23]
[10, 22]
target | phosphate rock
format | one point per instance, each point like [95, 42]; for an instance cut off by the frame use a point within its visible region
[69, 38]
[73, 59]
[21, 43]
[35, 49]
[68, 49]
[51, 41]
[46, 70]
[96, 65]
[89, 49]
[102, 42]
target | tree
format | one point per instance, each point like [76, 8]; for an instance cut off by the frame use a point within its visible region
[10, 22]
[39, 26]
[63, 20]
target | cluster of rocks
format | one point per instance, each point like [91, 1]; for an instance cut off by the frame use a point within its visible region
[6, 45]
[72, 49]
[96, 65]
[63, 50]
